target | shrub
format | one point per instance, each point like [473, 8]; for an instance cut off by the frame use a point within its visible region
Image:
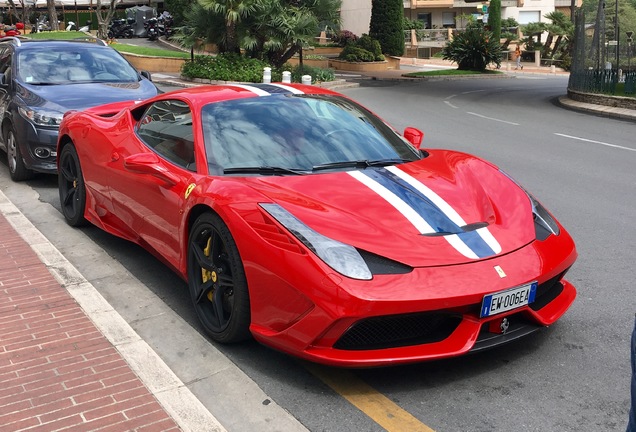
[225, 67]
[365, 49]
[354, 54]
[233, 67]
[344, 38]
[366, 42]
[473, 49]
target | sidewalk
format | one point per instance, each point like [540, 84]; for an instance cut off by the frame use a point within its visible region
[67, 360]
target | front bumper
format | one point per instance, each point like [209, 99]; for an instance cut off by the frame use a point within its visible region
[430, 313]
[37, 145]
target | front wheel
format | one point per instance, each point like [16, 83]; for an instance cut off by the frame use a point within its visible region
[217, 282]
[17, 168]
[71, 187]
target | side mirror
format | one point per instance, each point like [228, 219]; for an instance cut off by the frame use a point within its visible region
[149, 163]
[146, 75]
[414, 136]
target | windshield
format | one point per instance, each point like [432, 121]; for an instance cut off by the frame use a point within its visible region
[299, 133]
[50, 65]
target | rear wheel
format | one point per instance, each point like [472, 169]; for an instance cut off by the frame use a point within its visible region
[217, 282]
[71, 187]
[17, 168]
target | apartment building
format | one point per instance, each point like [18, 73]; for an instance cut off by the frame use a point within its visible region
[439, 14]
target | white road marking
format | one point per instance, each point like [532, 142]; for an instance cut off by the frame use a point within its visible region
[595, 142]
[493, 119]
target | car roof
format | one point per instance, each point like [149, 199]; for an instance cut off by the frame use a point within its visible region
[22, 43]
[202, 95]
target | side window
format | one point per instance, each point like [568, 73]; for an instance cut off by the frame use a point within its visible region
[166, 127]
[5, 63]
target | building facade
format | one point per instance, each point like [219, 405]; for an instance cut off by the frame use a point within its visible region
[439, 14]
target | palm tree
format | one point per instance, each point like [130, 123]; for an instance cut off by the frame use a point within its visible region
[560, 26]
[277, 31]
[233, 11]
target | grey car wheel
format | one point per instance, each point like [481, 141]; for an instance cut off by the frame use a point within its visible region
[17, 169]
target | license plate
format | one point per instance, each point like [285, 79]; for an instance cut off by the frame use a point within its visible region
[503, 301]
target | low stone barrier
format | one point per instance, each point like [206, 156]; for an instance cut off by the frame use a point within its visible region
[606, 100]
[155, 64]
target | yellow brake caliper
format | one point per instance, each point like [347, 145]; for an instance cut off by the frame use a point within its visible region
[207, 275]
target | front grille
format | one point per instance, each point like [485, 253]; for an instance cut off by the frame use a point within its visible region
[398, 331]
[547, 291]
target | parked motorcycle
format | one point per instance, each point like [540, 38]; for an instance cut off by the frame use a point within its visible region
[121, 28]
[152, 28]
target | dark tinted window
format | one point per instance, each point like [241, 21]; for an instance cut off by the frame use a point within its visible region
[166, 127]
[296, 132]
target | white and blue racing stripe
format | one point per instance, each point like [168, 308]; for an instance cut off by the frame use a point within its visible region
[427, 211]
[269, 89]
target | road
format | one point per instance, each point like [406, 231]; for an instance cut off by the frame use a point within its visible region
[573, 376]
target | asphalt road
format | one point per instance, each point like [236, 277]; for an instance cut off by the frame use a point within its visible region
[573, 376]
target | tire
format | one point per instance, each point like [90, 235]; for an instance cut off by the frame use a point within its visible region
[217, 282]
[71, 187]
[17, 168]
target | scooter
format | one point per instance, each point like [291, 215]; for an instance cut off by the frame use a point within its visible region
[72, 27]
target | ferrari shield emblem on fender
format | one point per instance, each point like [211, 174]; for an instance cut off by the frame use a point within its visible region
[500, 272]
[189, 190]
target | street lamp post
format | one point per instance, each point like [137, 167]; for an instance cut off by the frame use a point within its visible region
[616, 33]
[629, 50]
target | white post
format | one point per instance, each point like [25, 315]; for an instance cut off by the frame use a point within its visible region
[306, 79]
[286, 77]
[267, 75]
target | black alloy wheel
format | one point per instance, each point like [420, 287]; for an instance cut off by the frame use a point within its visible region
[217, 282]
[71, 187]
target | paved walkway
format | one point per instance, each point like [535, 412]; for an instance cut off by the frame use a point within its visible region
[60, 369]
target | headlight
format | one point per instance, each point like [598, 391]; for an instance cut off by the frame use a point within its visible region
[543, 220]
[42, 117]
[544, 223]
[341, 257]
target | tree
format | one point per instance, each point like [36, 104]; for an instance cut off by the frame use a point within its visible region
[178, 10]
[104, 15]
[233, 12]
[387, 25]
[50, 7]
[277, 31]
[494, 19]
[560, 26]
[509, 28]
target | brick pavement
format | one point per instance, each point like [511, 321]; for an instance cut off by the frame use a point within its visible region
[57, 370]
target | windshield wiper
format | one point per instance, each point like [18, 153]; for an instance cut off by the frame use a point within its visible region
[264, 170]
[359, 164]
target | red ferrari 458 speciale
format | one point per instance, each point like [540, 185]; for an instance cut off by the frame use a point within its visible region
[300, 218]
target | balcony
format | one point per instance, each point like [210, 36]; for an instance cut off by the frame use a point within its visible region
[424, 4]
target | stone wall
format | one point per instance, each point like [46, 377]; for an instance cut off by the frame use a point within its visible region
[599, 99]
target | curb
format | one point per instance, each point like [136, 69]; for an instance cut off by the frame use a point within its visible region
[600, 110]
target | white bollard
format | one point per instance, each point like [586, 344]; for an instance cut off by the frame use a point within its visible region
[267, 75]
[286, 77]
[306, 79]
[553, 69]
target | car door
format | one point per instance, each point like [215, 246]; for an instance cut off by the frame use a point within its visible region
[149, 184]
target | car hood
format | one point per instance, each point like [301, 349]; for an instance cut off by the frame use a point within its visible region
[79, 96]
[449, 208]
